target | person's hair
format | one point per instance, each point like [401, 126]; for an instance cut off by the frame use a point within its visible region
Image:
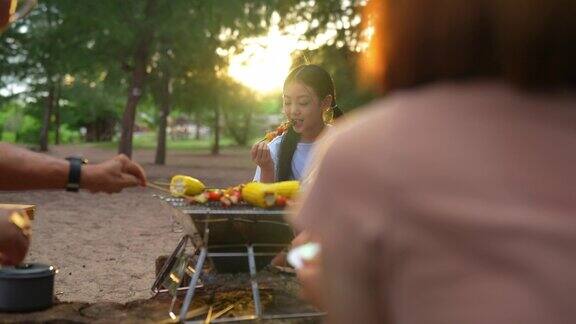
[319, 80]
[529, 44]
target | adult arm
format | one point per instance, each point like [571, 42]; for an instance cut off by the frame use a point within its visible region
[21, 169]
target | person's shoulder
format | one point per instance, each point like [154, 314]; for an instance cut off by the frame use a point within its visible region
[367, 135]
[357, 128]
[403, 114]
[407, 123]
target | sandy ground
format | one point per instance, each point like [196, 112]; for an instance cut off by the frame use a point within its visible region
[105, 245]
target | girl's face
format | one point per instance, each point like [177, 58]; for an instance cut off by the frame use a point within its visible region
[304, 109]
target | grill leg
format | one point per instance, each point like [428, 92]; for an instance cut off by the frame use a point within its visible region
[157, 286]
[254, 283]
[192, 286]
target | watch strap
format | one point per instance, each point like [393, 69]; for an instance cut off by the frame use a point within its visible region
[74, 174]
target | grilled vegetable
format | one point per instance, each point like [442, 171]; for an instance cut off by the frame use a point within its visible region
[264, 194]
[226, 202]
[236, 197]
[182, 185]
[279, 131]
[281, 201]
[288, 189]
[214, 195]
[198, 199]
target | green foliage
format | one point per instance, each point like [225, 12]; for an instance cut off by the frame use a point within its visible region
[11, 116]
[28, 130]
[17, 125]
[68, 135]
[91, 102]
[340, 62]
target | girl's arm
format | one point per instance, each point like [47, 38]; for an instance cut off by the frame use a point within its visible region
[267, 174]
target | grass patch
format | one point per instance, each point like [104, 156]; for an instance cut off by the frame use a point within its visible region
[148, 141]
[8, 137]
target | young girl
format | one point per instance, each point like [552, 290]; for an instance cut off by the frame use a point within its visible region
[309, 103]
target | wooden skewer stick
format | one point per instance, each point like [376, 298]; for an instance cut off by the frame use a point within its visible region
[155, 186]
[209, 316]
[193, 313]
[224, 311]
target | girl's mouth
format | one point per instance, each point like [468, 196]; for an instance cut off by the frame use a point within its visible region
[297, 123]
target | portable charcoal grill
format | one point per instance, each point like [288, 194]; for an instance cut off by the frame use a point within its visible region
[238, 238]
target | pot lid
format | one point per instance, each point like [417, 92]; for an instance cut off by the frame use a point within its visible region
[27, 270]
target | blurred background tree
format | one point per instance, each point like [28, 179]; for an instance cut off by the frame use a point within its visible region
[168, 73]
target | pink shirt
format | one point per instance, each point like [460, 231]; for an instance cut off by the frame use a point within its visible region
[451, 203]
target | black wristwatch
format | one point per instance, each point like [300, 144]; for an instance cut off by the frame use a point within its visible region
[76, 164]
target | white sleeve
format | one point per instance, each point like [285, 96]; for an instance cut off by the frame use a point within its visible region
[257, 174]
[274, 147]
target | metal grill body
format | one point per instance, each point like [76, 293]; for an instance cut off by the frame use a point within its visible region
[239, 238]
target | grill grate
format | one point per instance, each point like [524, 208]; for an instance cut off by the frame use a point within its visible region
[214, 207]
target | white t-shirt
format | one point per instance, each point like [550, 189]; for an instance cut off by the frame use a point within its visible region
[299, 160]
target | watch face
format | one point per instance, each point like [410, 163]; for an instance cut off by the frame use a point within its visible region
[78, 158]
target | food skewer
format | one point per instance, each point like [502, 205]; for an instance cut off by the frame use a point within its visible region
[155, 186]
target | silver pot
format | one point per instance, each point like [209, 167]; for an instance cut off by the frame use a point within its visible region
[26, 287]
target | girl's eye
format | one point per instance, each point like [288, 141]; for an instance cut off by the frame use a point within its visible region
[286, 103]
[304, 103]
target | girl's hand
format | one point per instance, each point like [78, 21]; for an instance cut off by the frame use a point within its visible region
[261, 155]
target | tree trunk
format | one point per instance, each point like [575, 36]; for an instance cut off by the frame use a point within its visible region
[57, 116]
[198, 125]
[216, 145]
[98, 130]
[46, 119]
[134, 95]
[136, 88]
[165, 103]
[247, 128]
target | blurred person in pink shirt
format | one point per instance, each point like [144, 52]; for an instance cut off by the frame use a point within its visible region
[452, 199]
